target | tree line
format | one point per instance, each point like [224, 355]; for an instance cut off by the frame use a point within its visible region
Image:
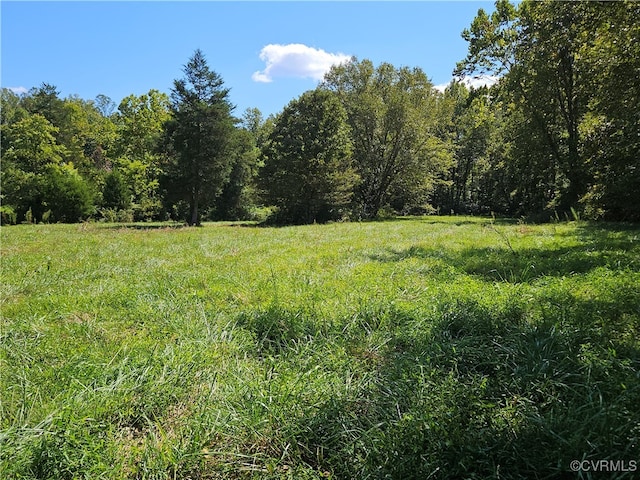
[558, 135]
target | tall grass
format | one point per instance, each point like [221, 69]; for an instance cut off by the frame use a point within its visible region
[422, 348]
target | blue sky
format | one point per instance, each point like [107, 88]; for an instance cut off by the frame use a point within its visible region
[268, 53]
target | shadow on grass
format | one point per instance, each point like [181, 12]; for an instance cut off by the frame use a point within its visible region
[485, 393]
[428, 219]
[145, 226]
[177, 225]
[449, 219]
[617, 249]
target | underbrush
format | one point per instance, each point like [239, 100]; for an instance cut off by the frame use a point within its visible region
[427, 348]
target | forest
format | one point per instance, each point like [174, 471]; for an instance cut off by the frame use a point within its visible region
[557, 137]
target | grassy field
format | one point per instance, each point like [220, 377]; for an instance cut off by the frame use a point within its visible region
[407, 349]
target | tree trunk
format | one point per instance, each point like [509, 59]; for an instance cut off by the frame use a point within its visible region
[193, 211]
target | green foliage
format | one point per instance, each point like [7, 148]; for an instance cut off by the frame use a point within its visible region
[111, 215]
[139, 121]
[308, 173]
[238, 195]
[139, 124]
[142, 178]
[44, 101]
[35, 181]
[39, 146]
[30, 144]
[11, 109]
[30, 150]
[391, 112]
[612, 59]
[492, 41]
[198, 137]
[8, 215]
[67, 195]
[115, 193]
[468, 127]
[565, 93]
[19, 189]
[81, 129]
[556, 137]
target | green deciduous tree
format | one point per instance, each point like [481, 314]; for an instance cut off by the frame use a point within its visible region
[308, 171]
[199, 138]
[238, 194]
[11, 108]
[44, 100]
[29, 148]
[253, 122]
[466, 123]
[569, 80]
[611, 61]
[86, 134]
[35, 178]
[104, 105]
[30, 144]
[139, 122]
[391, 113]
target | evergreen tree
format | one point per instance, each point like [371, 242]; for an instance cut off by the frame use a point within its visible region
[199, 138]
[115, 193]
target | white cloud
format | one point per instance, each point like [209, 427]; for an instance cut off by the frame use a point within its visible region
[472, 82]
[296, 60]
[481, 81]
[18, 90]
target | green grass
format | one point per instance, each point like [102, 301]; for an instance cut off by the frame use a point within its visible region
[417, 348]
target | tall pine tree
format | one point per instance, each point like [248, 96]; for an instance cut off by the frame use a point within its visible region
[199, 137]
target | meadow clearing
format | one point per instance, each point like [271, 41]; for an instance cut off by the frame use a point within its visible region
[436, 347]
